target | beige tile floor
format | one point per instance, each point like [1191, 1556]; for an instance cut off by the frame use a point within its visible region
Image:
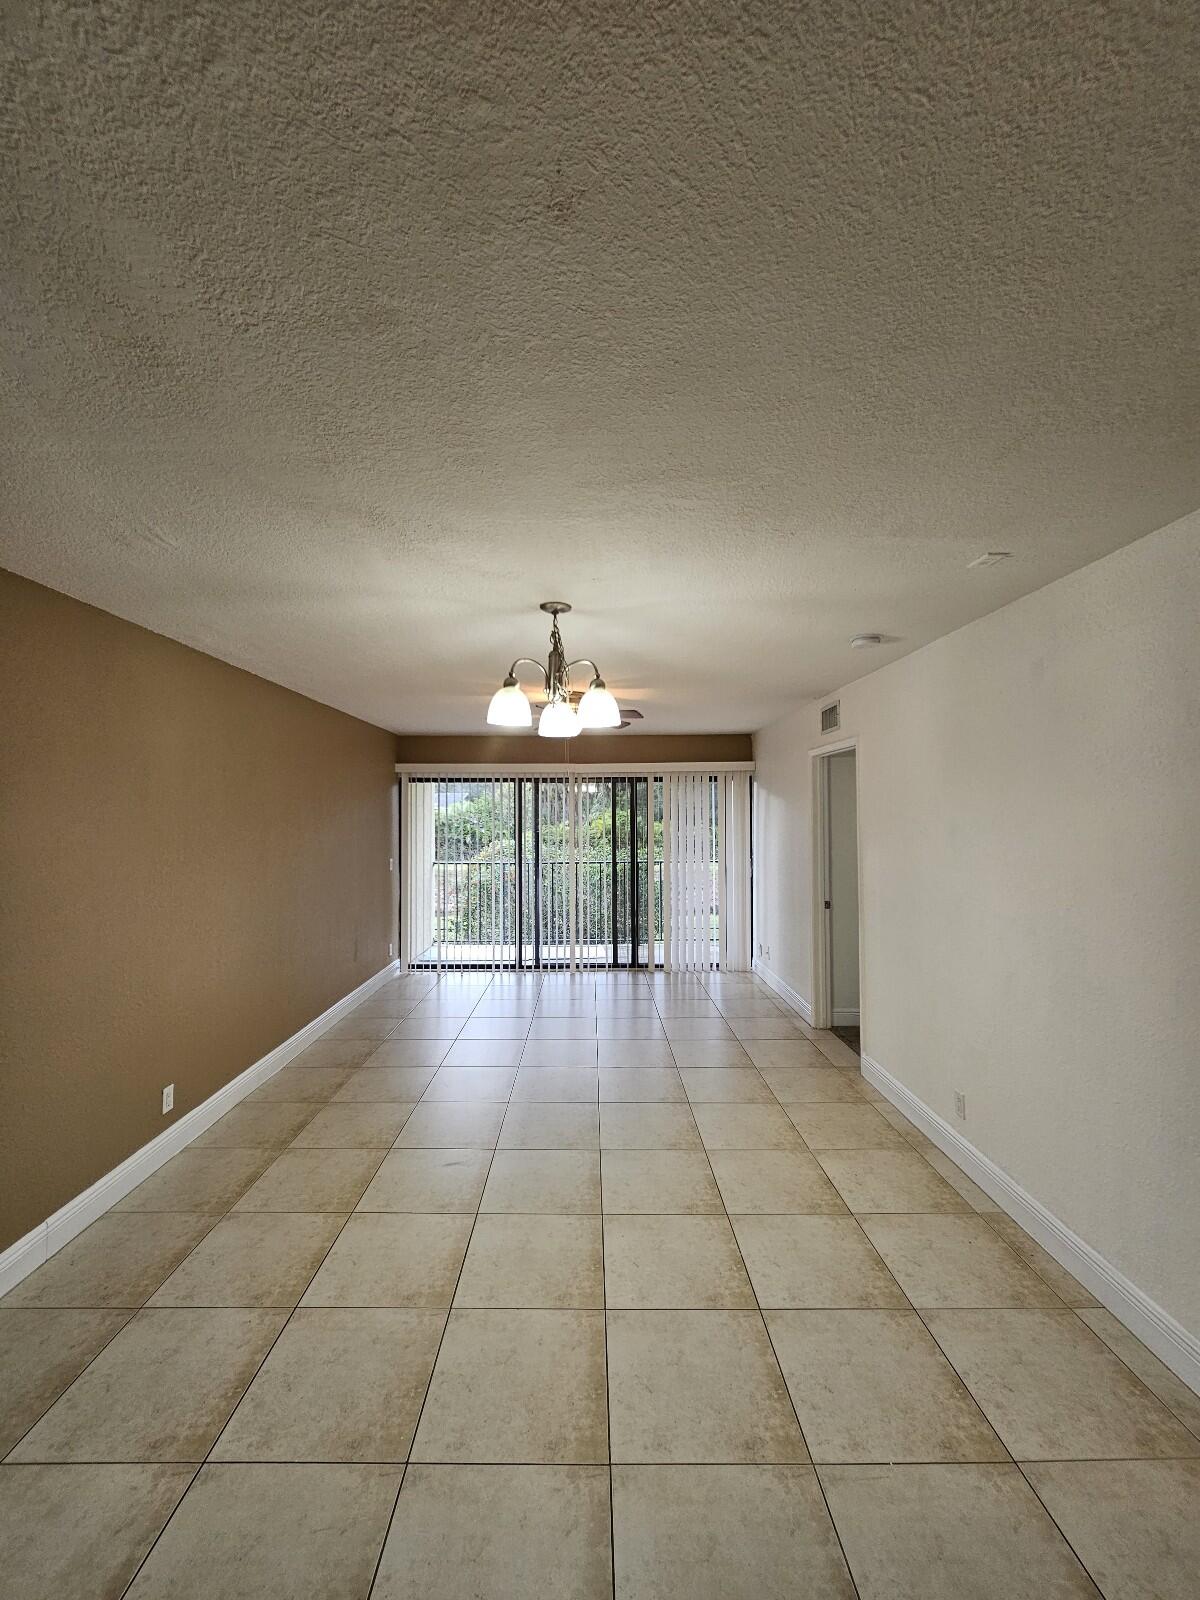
[514, 1287]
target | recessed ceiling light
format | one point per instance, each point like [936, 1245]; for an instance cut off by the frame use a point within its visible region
[866, 641]
[989, 558]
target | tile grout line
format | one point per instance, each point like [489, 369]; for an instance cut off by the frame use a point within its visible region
[134, 1311]
[1012, 1460]
[779, 1366]
[945, 1354]
[384, 1150]
[408, 1461]
[286, 1322]
[583, 1216]
[1186, 1426]
[612, 1515]
[1083, 1567]
[437, 1353]
[207, 1459]
[1053, 1311]
[4, 1461]
[404, 1467]
[818, 1466]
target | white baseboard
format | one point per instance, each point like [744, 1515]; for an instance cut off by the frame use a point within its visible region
[784, 990]
[20, 1259]
[845, 1016]
[1157, 1329]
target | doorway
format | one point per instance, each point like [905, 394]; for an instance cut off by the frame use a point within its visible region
[836, 903]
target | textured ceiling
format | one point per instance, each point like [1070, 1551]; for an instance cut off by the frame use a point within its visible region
[336, 336]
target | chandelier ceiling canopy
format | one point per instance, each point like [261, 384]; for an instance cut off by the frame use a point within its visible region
[559, 718]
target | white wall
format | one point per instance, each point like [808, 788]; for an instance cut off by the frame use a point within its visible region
[1029, 818]
[843, 888]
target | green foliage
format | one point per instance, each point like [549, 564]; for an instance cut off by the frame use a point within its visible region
[476, 829]
[483, 828]
[475, 849]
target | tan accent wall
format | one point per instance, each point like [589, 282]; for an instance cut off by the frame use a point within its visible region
[194, 865]
[622, 749]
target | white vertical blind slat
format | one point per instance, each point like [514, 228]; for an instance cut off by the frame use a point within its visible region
[650, 952]
[689, 870]
[493, 903]
[722, 893]
[704, 867]
[685, 876]
[707, 888]
[417, 835]
[697, 839]
[439, 804]
[582, 871]
[572, 841]
[667, 875]
[407, 864]
[457, 897]
[687, 842]
[736, 862]
[703, 874]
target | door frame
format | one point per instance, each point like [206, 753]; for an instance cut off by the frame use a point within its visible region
[822, 965]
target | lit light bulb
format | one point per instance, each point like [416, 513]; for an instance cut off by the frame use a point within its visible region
[558, 721]
[598, 708]
[509, 708]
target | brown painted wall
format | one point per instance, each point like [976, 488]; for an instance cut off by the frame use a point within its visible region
[194, 865]
[622, 749]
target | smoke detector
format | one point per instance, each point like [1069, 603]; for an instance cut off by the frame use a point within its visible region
[866, 641]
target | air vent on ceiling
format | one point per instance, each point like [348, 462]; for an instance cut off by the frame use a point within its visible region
[990, 558]
[831, 717]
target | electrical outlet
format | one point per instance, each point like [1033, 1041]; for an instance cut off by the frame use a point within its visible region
[391, 863]
[391, 949]
[168, 1098]
[960, 1106]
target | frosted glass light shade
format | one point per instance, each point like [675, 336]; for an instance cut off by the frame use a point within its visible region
[509, 708]
[558, 721]
[599, 709]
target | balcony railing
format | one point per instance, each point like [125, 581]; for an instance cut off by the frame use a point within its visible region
[475, 910]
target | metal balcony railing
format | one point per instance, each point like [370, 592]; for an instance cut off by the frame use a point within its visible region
[475, 909]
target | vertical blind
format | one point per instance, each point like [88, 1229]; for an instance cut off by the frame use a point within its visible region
[706, 884]
[576, 870]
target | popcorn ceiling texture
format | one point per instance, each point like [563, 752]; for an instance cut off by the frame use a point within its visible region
[337, 336]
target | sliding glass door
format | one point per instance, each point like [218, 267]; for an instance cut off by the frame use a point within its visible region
[533, 872]
[474, 911]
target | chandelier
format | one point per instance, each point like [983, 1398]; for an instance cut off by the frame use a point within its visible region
[559, 718]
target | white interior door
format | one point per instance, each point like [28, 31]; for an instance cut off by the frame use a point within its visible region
[843, 888]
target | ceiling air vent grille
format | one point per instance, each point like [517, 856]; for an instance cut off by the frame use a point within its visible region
[831, 717]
